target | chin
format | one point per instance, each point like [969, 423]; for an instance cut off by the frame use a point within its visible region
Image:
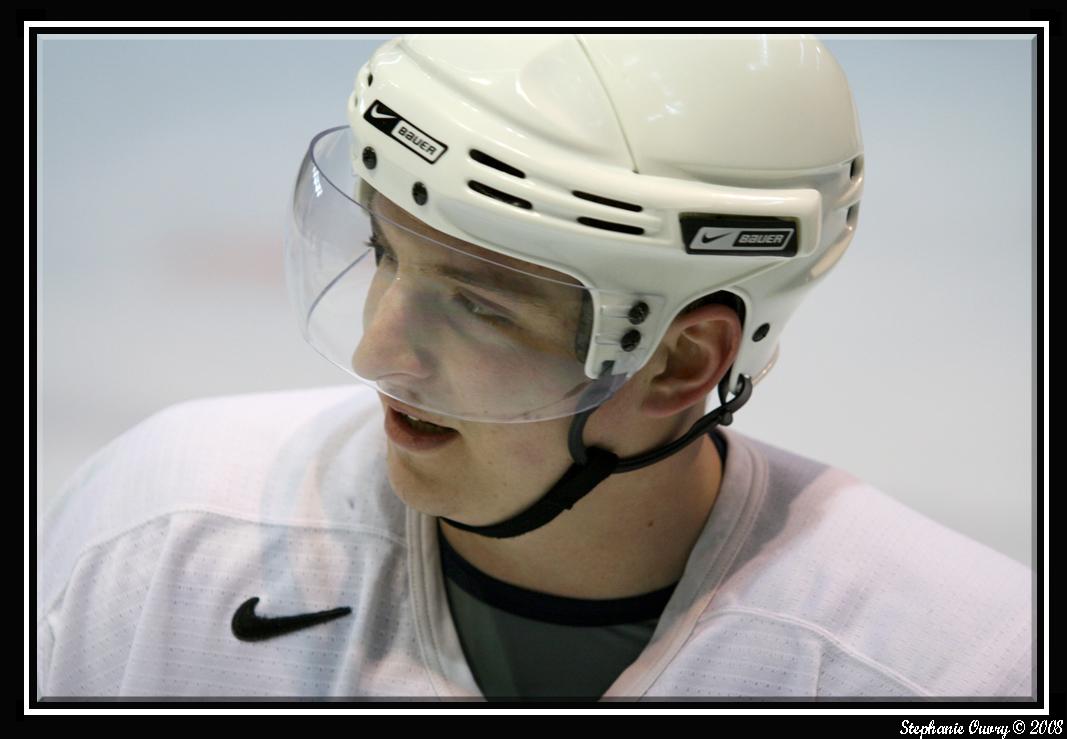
[429, 494]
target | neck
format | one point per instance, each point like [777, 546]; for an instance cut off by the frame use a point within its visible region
[630, 536]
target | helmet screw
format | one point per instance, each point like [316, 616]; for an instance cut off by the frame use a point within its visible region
[638, 313]
[631, 340]
[419, 193]
[370, 159]
[761, 332]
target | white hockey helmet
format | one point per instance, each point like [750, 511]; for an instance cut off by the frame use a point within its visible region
[634, 175]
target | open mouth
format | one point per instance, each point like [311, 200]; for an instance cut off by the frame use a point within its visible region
[422, 426]
[415, 434]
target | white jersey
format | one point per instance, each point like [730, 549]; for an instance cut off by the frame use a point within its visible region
[804, 582]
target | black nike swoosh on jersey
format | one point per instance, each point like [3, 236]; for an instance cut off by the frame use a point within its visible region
[706, 240]
[247, 626]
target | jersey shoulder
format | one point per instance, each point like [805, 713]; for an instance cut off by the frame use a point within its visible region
[210, 451]
[161, 537]
[879, 585]
[295, 458]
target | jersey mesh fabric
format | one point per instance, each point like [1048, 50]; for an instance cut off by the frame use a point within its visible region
[804, 580]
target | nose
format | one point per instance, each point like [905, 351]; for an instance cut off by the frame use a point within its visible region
[396, 333]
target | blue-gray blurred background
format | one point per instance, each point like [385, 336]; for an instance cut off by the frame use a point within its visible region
[164, 164]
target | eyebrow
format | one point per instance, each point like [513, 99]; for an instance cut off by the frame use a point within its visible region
[504, 281]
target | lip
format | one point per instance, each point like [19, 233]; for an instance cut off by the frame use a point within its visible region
[400, 407]
[406, 437]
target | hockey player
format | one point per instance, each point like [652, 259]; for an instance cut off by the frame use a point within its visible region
[539, 256]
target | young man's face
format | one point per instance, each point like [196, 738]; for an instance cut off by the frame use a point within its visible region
[494, 343]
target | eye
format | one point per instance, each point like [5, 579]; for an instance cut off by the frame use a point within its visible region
[380, 251]
[479, 310]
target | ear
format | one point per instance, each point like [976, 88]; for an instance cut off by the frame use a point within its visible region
[697, 350]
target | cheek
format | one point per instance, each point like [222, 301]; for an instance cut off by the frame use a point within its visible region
[514, 379]
[615, 419]
[524, 448]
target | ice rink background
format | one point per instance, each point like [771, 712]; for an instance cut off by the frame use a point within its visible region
[164, 164]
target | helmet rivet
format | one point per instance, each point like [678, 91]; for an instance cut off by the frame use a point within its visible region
[761, 332]
[638, 313]
[370, 80]
[370, 159]
[631, 340]
[419, 193]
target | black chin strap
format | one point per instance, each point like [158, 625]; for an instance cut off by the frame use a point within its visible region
[593, 464]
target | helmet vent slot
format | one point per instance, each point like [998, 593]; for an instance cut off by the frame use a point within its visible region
[608, 201]
[609, 226]
[490, 192]
[853, 213]
[483, 158]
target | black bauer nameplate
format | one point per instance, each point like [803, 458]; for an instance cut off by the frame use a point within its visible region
[394, 125]
[705, 233]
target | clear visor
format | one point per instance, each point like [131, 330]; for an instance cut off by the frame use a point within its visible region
[428, 319]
